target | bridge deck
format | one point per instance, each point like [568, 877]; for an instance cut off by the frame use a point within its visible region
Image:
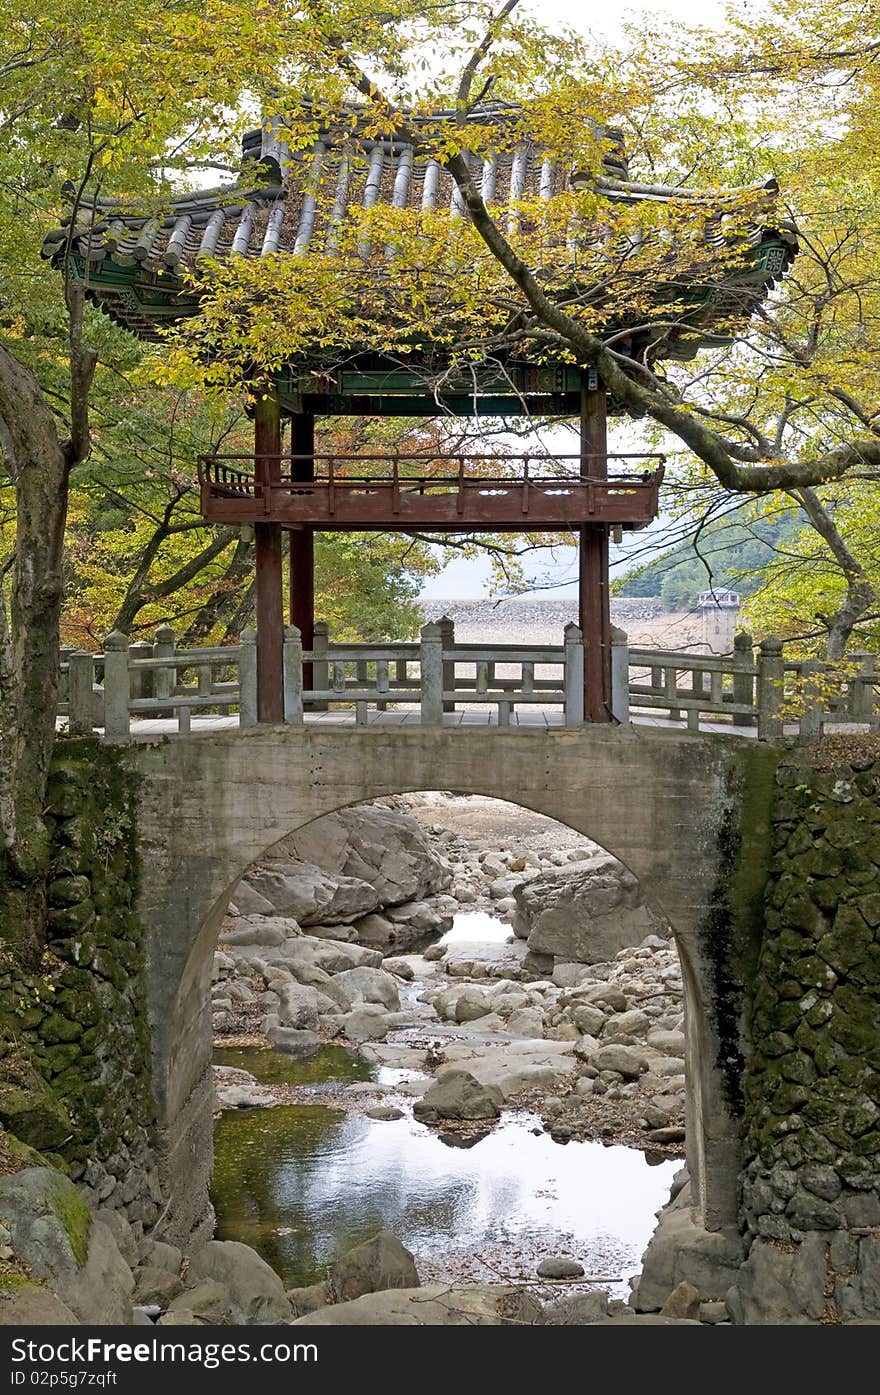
[532, 719]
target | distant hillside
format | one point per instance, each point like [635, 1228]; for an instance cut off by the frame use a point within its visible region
[730, 554]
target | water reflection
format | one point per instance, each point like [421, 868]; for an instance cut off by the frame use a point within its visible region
[477, 927]
[329, 1065]
[299, 1183]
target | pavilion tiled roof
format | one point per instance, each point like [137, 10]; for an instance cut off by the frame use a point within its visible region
[286, 201]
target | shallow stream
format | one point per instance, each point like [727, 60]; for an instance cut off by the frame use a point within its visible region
[299, 1182]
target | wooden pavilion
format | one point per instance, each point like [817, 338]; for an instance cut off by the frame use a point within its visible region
[289, 201]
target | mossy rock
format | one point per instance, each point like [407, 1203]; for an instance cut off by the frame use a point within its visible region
[800, 841]
[80, 1005]
[79, 833]
[813, 971]
[790, 989]
[55, 1028]
[790, 1097]
[52, 1232]
[33, 1113]
[854, 1036]
[826, 1056]
[64, 800]
[816, 1146]
[819, 1013]
[789, 944]
[856, 1171]
[60, 1057]
[798, 1068]
[68, 1084]
[788, 1015]
[853, 1072]
[800, 913]
[21, 1152]
[71, 920]
[71, 861]
[65, 770]
[107, 965]
[69, 890]
[777, 1044]
[29, 1018]
[861, 1006]
[859, 1118]
[82, 948]
[830, 894]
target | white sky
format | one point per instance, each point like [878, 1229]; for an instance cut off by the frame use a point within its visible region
[606, 17]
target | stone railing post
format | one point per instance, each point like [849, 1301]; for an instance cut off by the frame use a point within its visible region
[247, 679]
[862, 698]
[320, 667]
[292, 662]
[64, 654]
[81, 693]
[165, 678]
[447, 627]
[141, 680]
[619, 674]
[431, 664]
[811, 723]
[573, 680]
[116, 687]
[743, 683]
[771, 681]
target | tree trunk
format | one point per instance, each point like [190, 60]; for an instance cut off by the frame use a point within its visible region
[39, 464]
[859, 591]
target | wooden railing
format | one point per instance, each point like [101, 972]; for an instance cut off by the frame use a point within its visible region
[753, 691]
[360, 491]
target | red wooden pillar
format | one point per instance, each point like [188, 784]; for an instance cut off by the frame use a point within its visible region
[594, 601]
[267, 541]
[302, 541]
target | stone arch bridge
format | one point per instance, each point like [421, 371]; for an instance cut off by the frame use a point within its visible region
[688, 814]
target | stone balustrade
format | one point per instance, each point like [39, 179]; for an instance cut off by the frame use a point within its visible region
[754, 691]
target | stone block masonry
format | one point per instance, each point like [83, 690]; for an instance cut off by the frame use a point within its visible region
[811, 1182]
[74, 1042]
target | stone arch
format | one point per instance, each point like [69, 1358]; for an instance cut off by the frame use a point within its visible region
[664, 804]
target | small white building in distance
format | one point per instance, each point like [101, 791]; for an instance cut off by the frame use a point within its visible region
[719, 610]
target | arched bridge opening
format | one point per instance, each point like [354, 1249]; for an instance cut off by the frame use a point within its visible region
[684, 814]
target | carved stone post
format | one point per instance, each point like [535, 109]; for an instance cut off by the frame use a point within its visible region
[431, 662]
[320, 667]
[743, 683]
[619, 674]
[573, 650]
[81, 693]
[863, 696]
[140, 680]
[247, 679]
[447, 628]
[165, 678]
[293, 676]
[116, 687]
[771, 678]
[811, 724]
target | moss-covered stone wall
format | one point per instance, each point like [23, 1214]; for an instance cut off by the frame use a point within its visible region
[74, 1043]
[811, 1180]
